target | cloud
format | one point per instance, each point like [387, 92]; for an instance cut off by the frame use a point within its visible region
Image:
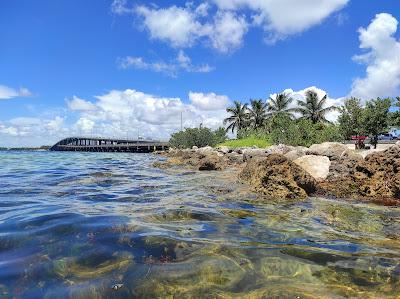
[209, 101]
[183, 27]
[301, 95]
[7, 93]
[36, 131]
[131, 112]
[84, 125]
[120, 7]
[176, 25]
[383, 59]
[281, 18]
[228, 31]
[80, 104]
[181, 63]
[224, 23]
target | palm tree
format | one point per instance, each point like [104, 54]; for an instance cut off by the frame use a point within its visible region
[257, 113]
[313, 108]
[280, 105]
[239, 116]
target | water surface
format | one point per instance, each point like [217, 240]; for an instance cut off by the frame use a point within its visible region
[109, 225]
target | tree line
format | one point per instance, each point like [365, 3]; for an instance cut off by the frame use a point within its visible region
[307, 123]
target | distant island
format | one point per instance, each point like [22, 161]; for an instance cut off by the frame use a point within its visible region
[40, 148]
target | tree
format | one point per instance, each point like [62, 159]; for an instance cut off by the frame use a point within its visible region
[239, 116]
[350, 118]
[314, 108]
[394, 117]
[375, 118]
[280, 105]
[257, 113]
[197, 137]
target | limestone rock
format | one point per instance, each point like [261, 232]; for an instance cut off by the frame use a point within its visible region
[224, 149]
[333, 150]
[253, 153]
[277, 177]
[279, 149]
[317, 166]
[376, 177]
[234, 158]
[296, 153]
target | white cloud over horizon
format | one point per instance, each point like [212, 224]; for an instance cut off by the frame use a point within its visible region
[7, 93]
[119, 113]
[383, 59]
[301, 94]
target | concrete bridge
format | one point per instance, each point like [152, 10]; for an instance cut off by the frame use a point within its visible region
[98, 144]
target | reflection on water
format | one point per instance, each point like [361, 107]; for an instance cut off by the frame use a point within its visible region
[84, 225]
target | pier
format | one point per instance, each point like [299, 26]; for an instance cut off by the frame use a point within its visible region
[98, 144]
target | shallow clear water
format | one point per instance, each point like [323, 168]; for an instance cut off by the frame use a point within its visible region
[103, 225]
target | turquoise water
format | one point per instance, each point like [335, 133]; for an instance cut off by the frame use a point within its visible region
[105, 225]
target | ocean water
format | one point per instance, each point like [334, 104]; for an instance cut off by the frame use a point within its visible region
[109, 225]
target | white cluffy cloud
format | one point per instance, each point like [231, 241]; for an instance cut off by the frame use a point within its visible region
[39, 128]
[209, 101]
[222, 24]
[383, 59]
[182, 27]
[131, 112]
[280, 18]
[181, 63]
[9, 93]
[79, 104]
[119, 113]
[301, 95]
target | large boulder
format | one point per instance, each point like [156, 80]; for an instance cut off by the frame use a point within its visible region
[296, 153]
[279, 149]
[251, 153]
[224, 149]
[205, 150]
[344, 165]
[376, 177]
[333, 150]
[317, 166]
[277, 177]
[234, 158]
[211, 162]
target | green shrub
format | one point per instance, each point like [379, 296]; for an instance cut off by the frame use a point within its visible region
[303, 132]
[197, 137]
[297, 132]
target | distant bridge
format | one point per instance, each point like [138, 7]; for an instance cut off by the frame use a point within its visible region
[98, 144]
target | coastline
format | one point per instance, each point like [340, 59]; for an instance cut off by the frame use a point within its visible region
[329, 169]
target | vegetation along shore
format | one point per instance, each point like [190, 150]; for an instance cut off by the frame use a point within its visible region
[283, 152]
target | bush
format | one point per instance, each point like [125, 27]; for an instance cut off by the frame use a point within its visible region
[197, 137]
[301, 132]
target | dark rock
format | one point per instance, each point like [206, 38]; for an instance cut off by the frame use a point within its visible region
[277, 177]
[376, 177]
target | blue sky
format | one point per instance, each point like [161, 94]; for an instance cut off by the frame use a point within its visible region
[125, 68]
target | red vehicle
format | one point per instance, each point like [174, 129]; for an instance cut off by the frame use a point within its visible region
[359, 141]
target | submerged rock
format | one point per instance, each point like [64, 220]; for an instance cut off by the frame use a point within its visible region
[317, 166]
[277, 177]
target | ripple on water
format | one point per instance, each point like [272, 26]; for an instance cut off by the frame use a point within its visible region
[103, 225]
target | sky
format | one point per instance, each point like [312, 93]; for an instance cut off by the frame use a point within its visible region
[131, 68]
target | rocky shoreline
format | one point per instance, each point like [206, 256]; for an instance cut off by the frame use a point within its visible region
[285, 172]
